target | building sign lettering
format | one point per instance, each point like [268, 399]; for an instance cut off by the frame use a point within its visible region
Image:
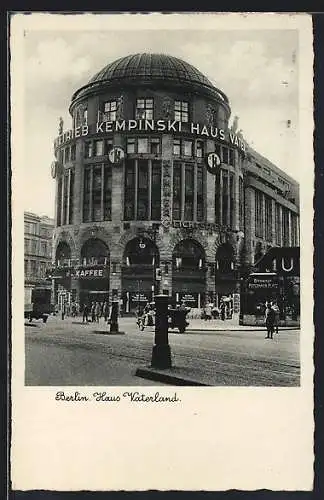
[153, 126]
[266, 283]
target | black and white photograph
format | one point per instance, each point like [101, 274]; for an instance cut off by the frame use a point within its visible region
[162, 209]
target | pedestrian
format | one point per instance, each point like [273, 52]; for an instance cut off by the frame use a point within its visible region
[277, 316]
[97, 311]
[85, 313]
[63, 310]
[223, 310]
[93, 312]
[105, 311]
[269, 321]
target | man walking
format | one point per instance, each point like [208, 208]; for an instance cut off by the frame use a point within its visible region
[269, 321]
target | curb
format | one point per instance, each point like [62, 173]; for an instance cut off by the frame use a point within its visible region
[103, 332]
[256, 329]
[158, 376]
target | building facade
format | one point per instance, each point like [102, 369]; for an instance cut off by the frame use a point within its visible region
[155, 193]
[38, 233]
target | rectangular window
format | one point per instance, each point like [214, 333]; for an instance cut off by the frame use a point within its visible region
[130, 145]
[142, 190]
[176, 147]
[65, 199]
[66, 154]
[110, 111]
[232, 198]
[187, 148]
[258, 214]
[156, 191]
[225, 152]
[189, 192]
[108, 146]
[268, 218]
[59, 201]
[144, 109]
[285, 224]
[294, 230]
[231, 157]
[73, 152]
[98, 148]
[155, 146]
[225, 221]
[142, 145]
[200, 193]
[177, 191]
[181, 113]
[241, 195]
[200, 149]
[217, 196]
[71, 198]
[88, 149]
[278, 224]
[129, 206]
[107, 192]
[86, 195]
[96, 194]
[85, 117]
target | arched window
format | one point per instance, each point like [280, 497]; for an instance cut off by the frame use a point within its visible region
[225, 258]
[140, 251]
[63, 254]
[188, 254]
[94, 252]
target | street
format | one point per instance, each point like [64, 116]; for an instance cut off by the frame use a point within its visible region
[67, 352]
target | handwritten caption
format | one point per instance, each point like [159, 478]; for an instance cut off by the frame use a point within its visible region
[105, 397]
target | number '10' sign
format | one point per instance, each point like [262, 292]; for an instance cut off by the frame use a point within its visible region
[213, 162]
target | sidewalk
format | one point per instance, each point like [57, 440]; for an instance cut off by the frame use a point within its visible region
[228, 325]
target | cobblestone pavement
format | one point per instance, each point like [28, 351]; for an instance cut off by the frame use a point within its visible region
[71, 353]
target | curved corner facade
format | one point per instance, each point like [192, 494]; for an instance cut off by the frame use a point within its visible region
[142, 206]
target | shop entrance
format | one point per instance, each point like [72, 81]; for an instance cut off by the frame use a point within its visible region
[140, 261]
[93, 273]
[189, 273]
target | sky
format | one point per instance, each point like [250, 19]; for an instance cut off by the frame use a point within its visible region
[256, 68]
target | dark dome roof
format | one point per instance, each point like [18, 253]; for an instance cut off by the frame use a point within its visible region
[150, 67]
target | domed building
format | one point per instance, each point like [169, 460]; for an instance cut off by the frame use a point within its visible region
[155, 193]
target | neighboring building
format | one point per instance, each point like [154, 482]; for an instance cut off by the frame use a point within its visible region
[154, 192]
[38, 232]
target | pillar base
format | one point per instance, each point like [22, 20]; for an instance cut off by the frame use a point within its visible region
[114, 328]
[161, 356]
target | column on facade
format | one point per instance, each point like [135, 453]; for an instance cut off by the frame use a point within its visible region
[210, 186]
[117, 189]
[68, 198]
[166, 207]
